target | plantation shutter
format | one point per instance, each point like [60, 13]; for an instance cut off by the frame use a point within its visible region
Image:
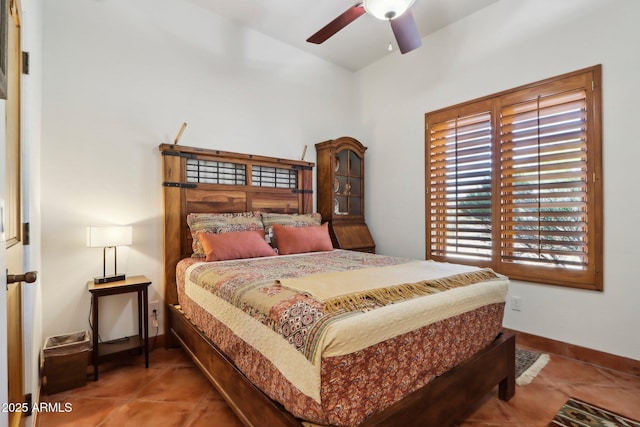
[544, 175]
[513, 181]
[459, 189]
[544, 180]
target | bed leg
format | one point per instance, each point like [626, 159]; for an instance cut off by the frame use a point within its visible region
[507, 387]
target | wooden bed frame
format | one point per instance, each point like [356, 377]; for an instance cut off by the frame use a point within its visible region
[443, 401]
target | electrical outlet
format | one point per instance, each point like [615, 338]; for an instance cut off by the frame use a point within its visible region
[516, 303]
[154, 306]
[154, 313]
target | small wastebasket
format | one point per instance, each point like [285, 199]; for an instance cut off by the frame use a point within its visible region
[66, 358]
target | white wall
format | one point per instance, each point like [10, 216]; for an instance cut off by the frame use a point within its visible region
[120, 77]
[511, 43]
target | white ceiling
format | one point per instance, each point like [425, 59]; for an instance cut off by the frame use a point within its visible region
[359, 44]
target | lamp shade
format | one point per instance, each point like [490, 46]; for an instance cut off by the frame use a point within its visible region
[387, 9]
[101, 237]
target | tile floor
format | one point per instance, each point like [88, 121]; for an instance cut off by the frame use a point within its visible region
[127, 394]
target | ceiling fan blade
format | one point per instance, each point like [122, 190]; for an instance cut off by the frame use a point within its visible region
[337, 24]
[406, 33]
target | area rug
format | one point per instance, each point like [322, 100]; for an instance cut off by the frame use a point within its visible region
[528, 365]
[576, 413]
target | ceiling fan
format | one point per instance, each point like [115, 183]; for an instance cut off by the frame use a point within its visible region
[397, 12]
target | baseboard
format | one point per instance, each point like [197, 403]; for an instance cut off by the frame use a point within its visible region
[157, 341]
[595, 357]
[34, 415]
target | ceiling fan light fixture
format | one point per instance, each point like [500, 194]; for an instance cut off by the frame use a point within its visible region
[387, 9]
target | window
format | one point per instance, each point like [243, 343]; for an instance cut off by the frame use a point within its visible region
[513, 182]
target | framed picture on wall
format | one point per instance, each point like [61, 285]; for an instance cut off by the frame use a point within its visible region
[3, 48]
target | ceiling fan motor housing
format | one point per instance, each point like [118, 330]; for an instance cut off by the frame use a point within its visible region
[387, 10]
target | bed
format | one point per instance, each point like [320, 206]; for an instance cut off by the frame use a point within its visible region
[271, 387]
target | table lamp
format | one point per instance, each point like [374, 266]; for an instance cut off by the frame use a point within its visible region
[109, 237]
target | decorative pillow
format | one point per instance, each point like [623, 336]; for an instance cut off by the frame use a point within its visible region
[295, 240]
[235, 245]
[220, 223]
[293, 220]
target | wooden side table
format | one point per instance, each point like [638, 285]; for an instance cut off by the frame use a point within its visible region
[139, 284]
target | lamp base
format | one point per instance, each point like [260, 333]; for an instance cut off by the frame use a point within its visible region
[108, 279]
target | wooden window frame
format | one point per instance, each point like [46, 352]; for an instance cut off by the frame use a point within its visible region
[494, 243]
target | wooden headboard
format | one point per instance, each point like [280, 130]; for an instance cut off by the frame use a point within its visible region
[197, 180]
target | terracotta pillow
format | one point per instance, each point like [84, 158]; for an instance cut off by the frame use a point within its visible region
[220, 223]
[235, 245]
[295, 220]
[295, 240]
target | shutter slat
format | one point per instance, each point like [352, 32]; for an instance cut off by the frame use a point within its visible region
[559, 112]
[561, 132]
[544, 123]
[560, 176]
[510, 143]
[577, 148]
[561, 99]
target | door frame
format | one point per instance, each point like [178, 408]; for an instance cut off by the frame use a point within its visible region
[4, 388]
[14, 196]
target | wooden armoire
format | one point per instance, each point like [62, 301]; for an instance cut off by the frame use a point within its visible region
[340, 193]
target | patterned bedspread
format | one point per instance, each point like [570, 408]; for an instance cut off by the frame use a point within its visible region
[253, 287]
[335, 368]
